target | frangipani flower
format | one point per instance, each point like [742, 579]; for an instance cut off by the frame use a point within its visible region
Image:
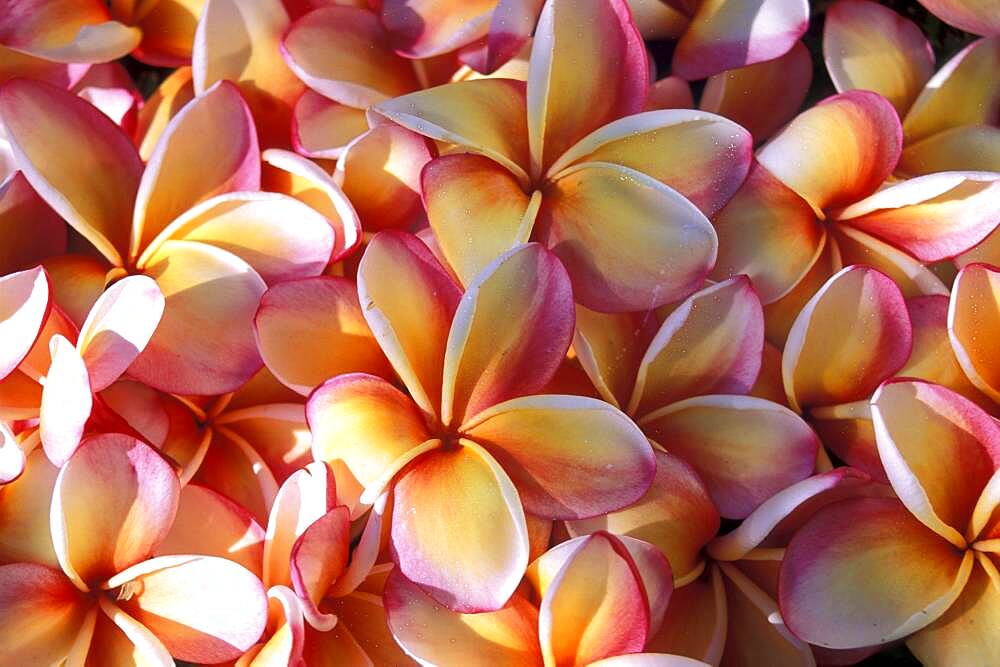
[812, 204]
[599, 596]
[563, 161]
[197, 227]
[473, 436]
[113, 505]
[868, 571]
[949, 119]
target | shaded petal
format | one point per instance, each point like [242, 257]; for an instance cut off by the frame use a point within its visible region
[864, 572]
[320, 555]
[469, 561]
[976, 16]
[912, 277]
[628, 241]
[204, 344]
[510, 333]
[701, 155]
[168, 29]
[345, 54]
[853, 334]
[409, 301]
[733, 442]
[203, 609]
[725, 35]
[870, 47]
[77, 282]
[24, 513]
[118, 327]
[764, 96]
[287, 638]
[25, 299]
[118, 640]
[570, 457]
[66, 402]
[671, 92]
[838, 151]
[71, 32]
[508, 636]
[696, 620]
[588, 68]
[975, 147]
[30, 231]
[209, 524]
[313, 329]
[511, 26]
[110, 88]
[322, 128]
[177, 176]
[477, 210]
[610, 347]
[676, 515]
[95, 191]
[231, 467]
[364, 620]
[710, 344]
[485, 115]
[779, 316]
[424, 28]
[41, 614]
[113, 502]
[277, 431]
[939, 451]
[173, 93]
[973, 315]
[932, 217]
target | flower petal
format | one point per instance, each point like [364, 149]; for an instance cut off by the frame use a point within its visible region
[322, 128]
[725, 35]
[313, 329]
[628, 241]
[870, 47]
[853, 334]
[228, 465]
[203, 609]
[648, 660]
[66, 402]
[423, 28]
[610, 347]
[25, 299]
[510, 333]
[838, 151]
[344, 54]
[29, 229]
[71, 32]
[710, 344]
[913, 277]
[570, 457]
[211, 296]
[320, 555]
[177, 176]
[113, 502]
[118, 639]
[973, 314]
[168, 29]
[976, 16]
[24, 513]
[696, 621]
[95, 191]
[41, 614]
[864, 572]
[469, 561]
[409, 301]
[970, 147]
[173, 93]
[472, 198]
[733, 442]
[507, 637]
[939, 451]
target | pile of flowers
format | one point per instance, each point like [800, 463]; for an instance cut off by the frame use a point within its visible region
[453, 332]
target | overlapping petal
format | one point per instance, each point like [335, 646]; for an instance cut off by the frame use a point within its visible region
[972, 316]
[25, 300]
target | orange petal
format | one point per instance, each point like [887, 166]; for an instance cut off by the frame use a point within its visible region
[409, 301]
[853, 334]
[676, 515]
[277, 431]
[66, 31]
[345, 54]
[24, 306]
[211, 296]
[838, 151]
[113, 502]
[66, 402]
[588, 68]
[918, 423]
[732, 441]
[506, 637]
[173, 93]
[77, 282]
[864, 572]
[322, 128]
[203, 609]
[95, 191]
[973, 315]
[177, 176]
[209, 524]
[118, 639]
[168, 29]
[41, 614]
[362, 617]
[231, 467]
[471, 197]
[628, 241]
[710, 344]
[24, 513]
[381, 171]
[472, 560]
[539, 439]
[29, 229]
[870, 47]
[510, 333]
[970, 147]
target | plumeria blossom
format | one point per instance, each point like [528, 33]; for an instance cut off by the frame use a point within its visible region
[95, 588]
[570, 161]
[949, 117]
[919, 566]
[473, 435]
[199, 228]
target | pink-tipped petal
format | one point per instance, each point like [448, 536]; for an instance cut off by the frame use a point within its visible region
[66, 31]
[425, 28]
[976, 16]
[24, 307]
[320, 555]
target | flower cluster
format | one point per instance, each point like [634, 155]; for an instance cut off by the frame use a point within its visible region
[453, 332]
